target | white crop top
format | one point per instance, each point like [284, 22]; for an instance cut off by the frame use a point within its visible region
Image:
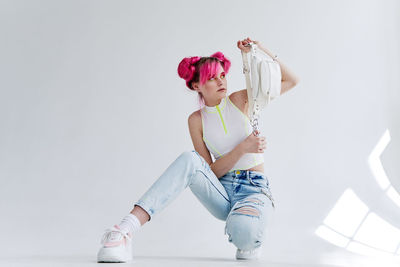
[224, 127]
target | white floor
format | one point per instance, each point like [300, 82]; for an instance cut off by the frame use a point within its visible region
[89, 260]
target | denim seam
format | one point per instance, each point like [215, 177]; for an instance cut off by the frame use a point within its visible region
[213, 185]
[208, 169]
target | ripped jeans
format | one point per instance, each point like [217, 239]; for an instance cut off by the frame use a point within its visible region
[241, 198]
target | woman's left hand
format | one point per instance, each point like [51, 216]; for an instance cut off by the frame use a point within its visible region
[246, 49]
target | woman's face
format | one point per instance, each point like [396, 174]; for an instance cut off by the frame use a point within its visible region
[211, 90]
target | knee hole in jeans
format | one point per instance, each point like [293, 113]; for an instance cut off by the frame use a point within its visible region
[246, 210]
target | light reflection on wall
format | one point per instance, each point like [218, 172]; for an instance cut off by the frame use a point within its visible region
[351, 225]
[379, 173]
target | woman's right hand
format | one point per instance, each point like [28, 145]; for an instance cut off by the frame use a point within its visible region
[242, 44]
[254, 144]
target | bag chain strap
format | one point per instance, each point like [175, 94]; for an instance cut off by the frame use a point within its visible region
[255, 113]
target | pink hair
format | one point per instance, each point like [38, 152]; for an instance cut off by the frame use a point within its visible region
[204, 67]
[201, 69]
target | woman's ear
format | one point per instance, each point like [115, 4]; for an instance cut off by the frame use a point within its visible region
[195, 86]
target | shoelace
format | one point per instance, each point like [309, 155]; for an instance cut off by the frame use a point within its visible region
[108, 232]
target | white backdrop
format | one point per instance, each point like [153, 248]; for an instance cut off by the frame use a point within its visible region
[92, 111]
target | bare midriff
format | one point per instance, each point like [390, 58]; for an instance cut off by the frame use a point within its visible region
[258, 168]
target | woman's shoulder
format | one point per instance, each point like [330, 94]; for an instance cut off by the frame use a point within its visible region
[239, 99]
[195, 114]
[194, 119]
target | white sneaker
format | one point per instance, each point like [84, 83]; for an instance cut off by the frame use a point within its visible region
[117, 246]
[253, 254]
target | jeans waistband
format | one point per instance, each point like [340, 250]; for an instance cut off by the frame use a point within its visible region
[244, 173]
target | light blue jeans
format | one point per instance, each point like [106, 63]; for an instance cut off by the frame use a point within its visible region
[241, 198]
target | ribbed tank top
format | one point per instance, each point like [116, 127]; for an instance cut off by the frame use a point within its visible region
[224, 127]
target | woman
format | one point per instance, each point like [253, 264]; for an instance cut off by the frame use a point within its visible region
[234, 187]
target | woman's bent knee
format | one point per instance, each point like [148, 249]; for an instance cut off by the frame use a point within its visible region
[188, 155]
[242, 235]
[194, 157]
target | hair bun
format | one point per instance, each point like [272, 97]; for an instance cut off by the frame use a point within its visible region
[186, 67]
[225, 61]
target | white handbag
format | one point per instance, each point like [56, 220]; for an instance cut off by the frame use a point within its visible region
[264, 84]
